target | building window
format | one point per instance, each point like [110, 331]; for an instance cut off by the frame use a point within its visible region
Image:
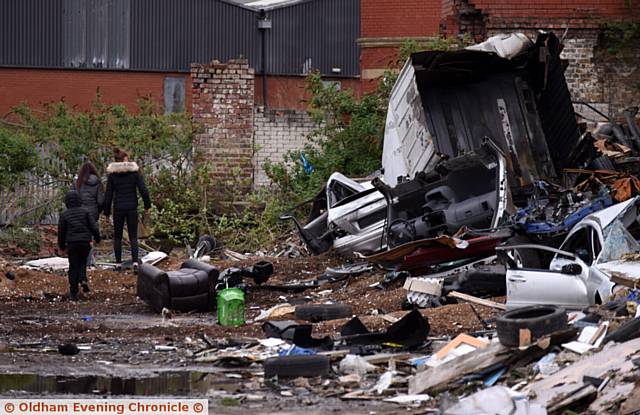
[173, 94]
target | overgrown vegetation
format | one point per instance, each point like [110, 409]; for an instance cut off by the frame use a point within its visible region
[348, 139]
[621, 36]
[350, 131]
[17, 156]
[186, 203]
[53, 143]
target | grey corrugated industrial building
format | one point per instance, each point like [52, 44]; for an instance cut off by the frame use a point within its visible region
[168, 35]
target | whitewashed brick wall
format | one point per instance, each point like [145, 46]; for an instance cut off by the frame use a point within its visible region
[276, 132]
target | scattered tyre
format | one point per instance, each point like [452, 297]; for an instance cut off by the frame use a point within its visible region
[539, 320]
[627, 331]
[297, 366]
[323, 312]
[68, 349]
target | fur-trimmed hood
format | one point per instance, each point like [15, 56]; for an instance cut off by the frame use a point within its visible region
[123, 167]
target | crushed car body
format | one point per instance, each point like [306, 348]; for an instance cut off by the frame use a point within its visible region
[432, 204]
[346, 215]
[445, 105]
[580, 273]
[448, 102]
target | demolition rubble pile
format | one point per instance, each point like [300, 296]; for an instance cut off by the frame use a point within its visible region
[492, 194]
[490, 186]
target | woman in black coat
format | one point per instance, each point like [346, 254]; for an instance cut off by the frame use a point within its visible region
[89, 187]
[124, 182]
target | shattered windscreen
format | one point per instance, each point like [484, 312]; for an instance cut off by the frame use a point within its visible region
[618, 241]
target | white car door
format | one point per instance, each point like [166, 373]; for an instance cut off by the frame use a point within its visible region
[527, 287]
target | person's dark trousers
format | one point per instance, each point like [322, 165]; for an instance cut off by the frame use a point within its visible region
[77, 252]
[119, 218]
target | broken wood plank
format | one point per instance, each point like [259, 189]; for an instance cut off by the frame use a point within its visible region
[389, 318]
[461, 339]
[632, 403]
[376, 359]
[524, 338]
[586, 392]
[624, 279]
[615, 358]
[436, 377]
[476, 300]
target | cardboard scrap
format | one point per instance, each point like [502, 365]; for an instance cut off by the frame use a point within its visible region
[432, 286]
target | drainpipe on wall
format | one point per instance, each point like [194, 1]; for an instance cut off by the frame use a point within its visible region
[264, 24]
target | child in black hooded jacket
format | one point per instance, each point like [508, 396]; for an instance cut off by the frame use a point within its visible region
[75, 230]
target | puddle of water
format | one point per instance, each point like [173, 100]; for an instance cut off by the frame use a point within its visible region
[165, 383]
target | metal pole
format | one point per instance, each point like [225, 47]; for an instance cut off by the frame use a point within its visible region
[264, 70]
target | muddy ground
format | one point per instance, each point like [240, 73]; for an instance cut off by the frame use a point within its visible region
[121, 333]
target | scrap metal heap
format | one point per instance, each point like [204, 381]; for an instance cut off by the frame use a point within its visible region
[491, 186]
[482, 147]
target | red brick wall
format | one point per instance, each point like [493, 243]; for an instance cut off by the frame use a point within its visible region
[535, 14]
[78, 87]
[404, 18]
[593, 75]
[288, 92]
[389, 22]
[540, 9]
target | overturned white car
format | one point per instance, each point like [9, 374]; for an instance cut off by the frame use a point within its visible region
[469, 190]
[580, 274]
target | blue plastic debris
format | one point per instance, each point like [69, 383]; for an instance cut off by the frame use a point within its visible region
[419, 361]
[308, 168]
[87, 318]
[493, 377]
[566, 224]
[297, 351]
[634, 295]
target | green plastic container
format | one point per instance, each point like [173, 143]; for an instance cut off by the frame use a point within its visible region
[231, 307]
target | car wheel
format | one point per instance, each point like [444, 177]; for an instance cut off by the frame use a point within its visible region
[540, 320]
[524, 258]
[323, 312]
[296, 366]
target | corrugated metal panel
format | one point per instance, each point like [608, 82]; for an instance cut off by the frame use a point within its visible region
[555, 108]
[30, 32]
[317, 34]
[171, 34]
[96, 33]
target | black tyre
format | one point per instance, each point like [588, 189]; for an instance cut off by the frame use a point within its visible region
[627, 331]
[323, 312]
[297, 366]
[539, 319]
[524, 258]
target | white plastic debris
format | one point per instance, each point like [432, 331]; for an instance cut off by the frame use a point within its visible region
[547, 365]
[407, 399]
[355, 364]
[590, 337]
[383, 383]
[276, 311]
[497, 400]
[48, 264]
[505, 45]
[272, 342]
[153, 257]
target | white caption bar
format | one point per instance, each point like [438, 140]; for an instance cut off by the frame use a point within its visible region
[104, 406]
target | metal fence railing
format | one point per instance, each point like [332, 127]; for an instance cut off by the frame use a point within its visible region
[35, 199]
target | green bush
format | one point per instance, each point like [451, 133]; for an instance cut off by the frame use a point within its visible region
[350, 131]
[348, 139]
[17, 156]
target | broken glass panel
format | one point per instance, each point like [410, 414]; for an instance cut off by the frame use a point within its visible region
[617, 242]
